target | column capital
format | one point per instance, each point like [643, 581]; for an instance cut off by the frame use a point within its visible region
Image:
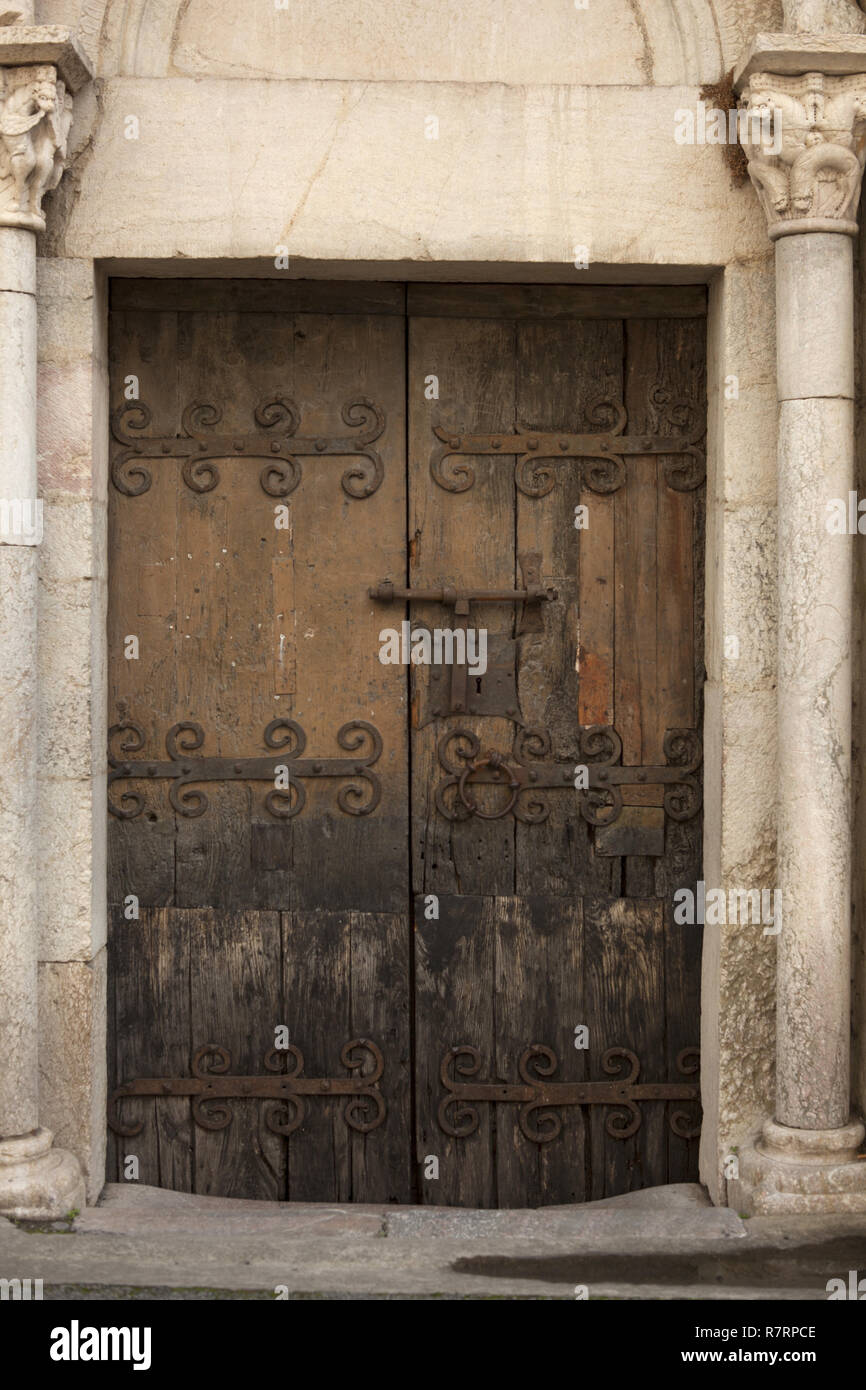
[41, 66]
[805, 138]
[824, 16]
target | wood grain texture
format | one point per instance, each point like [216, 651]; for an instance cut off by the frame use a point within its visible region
[563, 369]
[558, 301]
[464, 540]
[346, 977]
[149, 1035]
[248, 922]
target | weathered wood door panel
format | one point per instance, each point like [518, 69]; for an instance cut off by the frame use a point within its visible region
[273, 450]
[334, 880]
[547, 957]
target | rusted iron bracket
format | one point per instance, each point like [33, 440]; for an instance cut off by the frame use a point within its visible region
[185, 772]
[275, 443]
[286, 1085]
[535, 449]
[540, 1098]
[524, 775]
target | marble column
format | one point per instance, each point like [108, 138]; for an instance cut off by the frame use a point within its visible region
[806, 163]
[36, 1180]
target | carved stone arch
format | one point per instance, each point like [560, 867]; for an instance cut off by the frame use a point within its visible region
[684, 41]
[689, 40]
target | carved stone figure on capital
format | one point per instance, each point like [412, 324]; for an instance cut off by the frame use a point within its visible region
[817, 174]
[824, 16]
[35, 117]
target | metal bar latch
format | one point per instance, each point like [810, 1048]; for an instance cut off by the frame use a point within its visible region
[531, 596]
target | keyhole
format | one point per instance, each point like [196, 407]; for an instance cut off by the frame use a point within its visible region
[478, 685]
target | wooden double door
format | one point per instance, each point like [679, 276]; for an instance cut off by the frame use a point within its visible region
[387, 930]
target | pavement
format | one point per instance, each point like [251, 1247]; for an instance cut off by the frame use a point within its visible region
[661, 1243]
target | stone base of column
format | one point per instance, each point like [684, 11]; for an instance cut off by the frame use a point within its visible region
[38, 1182]
[801, 1172]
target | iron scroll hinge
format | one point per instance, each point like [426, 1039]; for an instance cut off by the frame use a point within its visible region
[284, 768]
[529, 770]
[211, 1082]
[601, 455]
[540, 1098]
[274, 442]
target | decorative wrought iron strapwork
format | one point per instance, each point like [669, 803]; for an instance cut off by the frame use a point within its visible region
[211, 1083]
[286, 773]
[530, 771]
[541, 1099]
[275, 443]
[604, 453]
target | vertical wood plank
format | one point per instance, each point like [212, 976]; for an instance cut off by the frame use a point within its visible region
[464, 540]
[539, 999]
[454, 977]
[342, 546]
[347, 977]
[625, 1005]
[563, 369]
[285, 651]
[142, 541]
[237, 1002]
[149, 1010]
[380, 968]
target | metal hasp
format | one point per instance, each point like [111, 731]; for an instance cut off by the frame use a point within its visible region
[287, 798]
[275, 443]
[539, 1098]
[607, 473]
[528, 771]
[498, 692]
[286, 1085]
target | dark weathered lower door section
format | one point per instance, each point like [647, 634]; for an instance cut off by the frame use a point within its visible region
[526, 1093]
[544, 1074]
[215, 1107]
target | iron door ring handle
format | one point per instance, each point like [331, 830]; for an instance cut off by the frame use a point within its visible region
[494, 760]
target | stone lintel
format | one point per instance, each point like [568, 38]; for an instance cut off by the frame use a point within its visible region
[53, 44]
[793, 55]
